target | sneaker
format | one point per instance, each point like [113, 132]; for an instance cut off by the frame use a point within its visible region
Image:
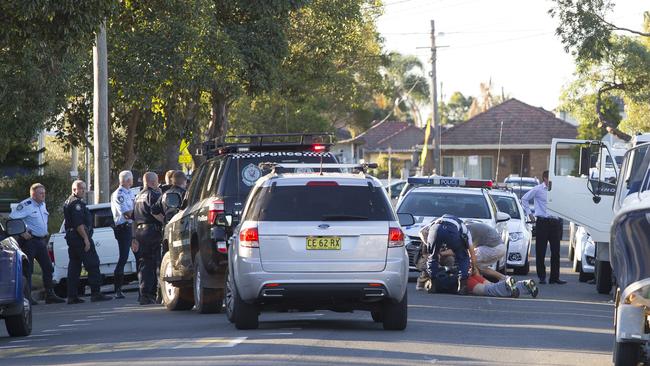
[512, 284]
[146, 300]
[531, 286]
[430, 286]
[514, 293]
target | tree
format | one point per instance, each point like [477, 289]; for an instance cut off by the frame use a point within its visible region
[407, 85]
[456, 109]
[39, 54]
[486, 100]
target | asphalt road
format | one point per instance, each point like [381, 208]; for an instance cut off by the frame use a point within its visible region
[565, 325]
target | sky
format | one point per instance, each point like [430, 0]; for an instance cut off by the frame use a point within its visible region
[511, 42]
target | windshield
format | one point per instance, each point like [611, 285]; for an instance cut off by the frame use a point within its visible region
[436, 204]
[507, 205]
[320, 203]
[522, 182]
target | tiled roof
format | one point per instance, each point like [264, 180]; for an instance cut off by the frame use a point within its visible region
[523, 124]
[396, 135]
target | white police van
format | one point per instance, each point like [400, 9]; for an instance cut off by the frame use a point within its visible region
[427, 198]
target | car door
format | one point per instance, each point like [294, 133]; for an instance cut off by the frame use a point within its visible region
[104, 238]
[578, 173]
[7, 271]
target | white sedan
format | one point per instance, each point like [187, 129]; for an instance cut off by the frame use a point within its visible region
[519, 231]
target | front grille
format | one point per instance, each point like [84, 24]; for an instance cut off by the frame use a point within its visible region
[413, 250]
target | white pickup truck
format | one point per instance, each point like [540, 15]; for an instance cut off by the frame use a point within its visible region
[105, 244]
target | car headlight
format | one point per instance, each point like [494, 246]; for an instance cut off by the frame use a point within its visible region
[516, 236]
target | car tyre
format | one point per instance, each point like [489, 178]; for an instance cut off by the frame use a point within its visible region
[238, 312]
[603, 277]
[206, 300]
[627, 353]
[377, 315]
[174, 298]
[20, 325]
[395, 314]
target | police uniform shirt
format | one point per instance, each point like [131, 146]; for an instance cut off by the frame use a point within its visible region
[147, 205]
[33, 214]
[76, 213]
[170, 212]
[122, 200]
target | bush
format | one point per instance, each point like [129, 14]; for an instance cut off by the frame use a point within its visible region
[57, 189]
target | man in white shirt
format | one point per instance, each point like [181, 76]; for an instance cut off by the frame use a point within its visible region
[549, 231]
[122, 201]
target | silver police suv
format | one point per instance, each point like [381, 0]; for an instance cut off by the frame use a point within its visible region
[318, 241]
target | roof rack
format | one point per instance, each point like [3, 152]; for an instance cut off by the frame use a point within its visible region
[359, 167]
[315, 142]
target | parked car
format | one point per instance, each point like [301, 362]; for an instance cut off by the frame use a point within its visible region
[519, 240]
[15, 305]
[105, 244]
[584, 255]
[521, 185]
[310, 241]
[193, 267]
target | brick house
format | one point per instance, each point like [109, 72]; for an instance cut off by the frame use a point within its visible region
[471, 149]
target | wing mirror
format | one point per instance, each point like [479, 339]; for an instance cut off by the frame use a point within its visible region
[227, 220]
[502, 216]
[172, 200]
[15, 227]
[405, 219]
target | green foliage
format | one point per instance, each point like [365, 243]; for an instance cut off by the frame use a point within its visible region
[456, 109]
[579, 103]
[382, 167]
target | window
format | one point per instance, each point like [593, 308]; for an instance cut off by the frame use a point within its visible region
[474, 166]
[507, 205]
[319, 203]
[102, 217]
[436, 204]
[634, 171]
[194, 193]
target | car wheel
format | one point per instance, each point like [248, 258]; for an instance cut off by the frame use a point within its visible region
[395, 314]
[377, 315]
[20, 325]
[206, 300]
[242, 314]
[627, 353]
[174, 298]
[523, 270]
[603, 277]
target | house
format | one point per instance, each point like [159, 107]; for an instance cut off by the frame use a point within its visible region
[373, 145]
[510, 138]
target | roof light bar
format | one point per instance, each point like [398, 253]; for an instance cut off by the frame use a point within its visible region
[450, 182]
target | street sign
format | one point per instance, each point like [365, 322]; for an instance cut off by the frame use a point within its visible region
[184, 156]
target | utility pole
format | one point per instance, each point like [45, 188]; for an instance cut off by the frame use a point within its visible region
[100, 117]
[434, 100]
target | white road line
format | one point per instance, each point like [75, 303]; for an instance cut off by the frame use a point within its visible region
[96, 316]
[54, 330]
[40, 335]
[87, 320]
[8, 347]
[73, 325]
[236, 341]
[274, 334]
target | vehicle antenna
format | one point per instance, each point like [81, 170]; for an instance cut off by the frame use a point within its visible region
[321, 163]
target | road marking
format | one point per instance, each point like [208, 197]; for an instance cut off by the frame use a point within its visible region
[73, 325]
[40, 335]
[54, 330]
[87, 320]
[96, 316]
[274, 334]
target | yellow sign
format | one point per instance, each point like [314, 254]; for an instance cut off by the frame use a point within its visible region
[184, 156]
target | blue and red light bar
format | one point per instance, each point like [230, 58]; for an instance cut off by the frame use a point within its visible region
[451, 182]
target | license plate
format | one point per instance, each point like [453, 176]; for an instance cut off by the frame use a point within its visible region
[324, 243]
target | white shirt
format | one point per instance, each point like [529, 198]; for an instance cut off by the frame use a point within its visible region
[34, 215]
[538, 194]
[122, 200]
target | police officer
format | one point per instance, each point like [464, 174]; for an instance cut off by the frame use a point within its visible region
[168, 181]
[122, 201]
[81, 249]
[34, 241]
[147, 236]
[178, 184]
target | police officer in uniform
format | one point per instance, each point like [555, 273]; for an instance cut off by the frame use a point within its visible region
[34, 241]
[178, 183]
[168, 181]
[147, 236]
[122, 201]
[81, 249]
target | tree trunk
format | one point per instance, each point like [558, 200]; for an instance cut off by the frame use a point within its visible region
[131, 131]
[603, 122]
[219, 115]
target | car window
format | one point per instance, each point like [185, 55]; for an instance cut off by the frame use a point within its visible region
[194, 193]
[507, 205]
[319, 203]
[436, 204]
[102, 217]
[211, 178]
[243, 172]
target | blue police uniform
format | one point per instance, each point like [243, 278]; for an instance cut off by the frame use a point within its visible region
[148, 232]
[122, 201]
[35, 217]
[77, 214]
[449, 231]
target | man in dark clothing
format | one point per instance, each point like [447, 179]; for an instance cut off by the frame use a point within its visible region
[178, 183]
[81, 249]
[168, 181]
[147, 236]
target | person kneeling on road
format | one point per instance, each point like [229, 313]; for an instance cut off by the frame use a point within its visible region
[451, 233]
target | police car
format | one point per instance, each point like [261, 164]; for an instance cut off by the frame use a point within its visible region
[427, 198]
[520, 234]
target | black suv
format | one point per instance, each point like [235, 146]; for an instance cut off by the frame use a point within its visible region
[193, 267]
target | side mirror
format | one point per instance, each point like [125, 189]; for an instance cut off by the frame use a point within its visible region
[224, 219]
[15, 227]
[502, 216]
[172, 200]
[405, 219]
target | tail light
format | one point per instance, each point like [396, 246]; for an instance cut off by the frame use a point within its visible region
[318, 148]
[216, 207]
[50, 251]
[249, 238]
[222, 247]
[395, 237]
[321, 183]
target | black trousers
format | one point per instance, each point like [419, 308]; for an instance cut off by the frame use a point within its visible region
[90, 261]
[549, 231]
[36, 248]
[123, 234]
[149, 238]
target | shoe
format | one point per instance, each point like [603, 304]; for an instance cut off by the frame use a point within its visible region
[531, 286]
[147, 300]
[512, 285]
[462, 289]
[558, 281]
[542, 281]
[75, 300]
[51, 298]
[119, 279]
[514, 293]
[98, 296]
[430, 287]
